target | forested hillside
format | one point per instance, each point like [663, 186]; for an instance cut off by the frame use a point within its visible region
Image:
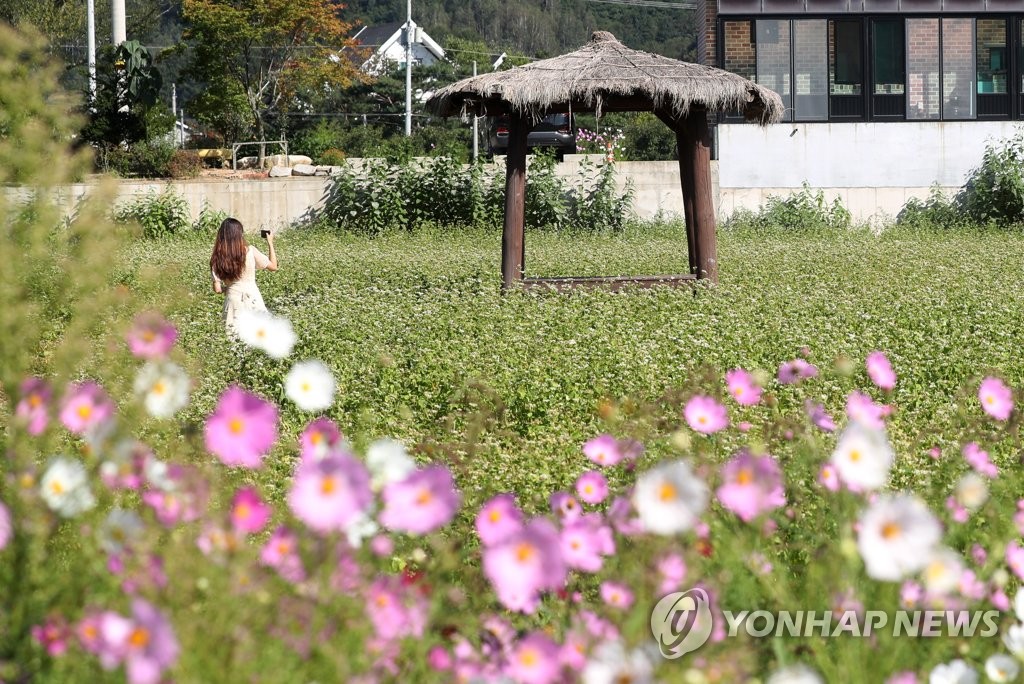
[541, 28]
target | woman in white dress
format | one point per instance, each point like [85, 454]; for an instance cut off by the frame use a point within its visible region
[233, 269]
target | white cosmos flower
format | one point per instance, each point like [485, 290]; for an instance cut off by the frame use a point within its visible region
[1001, 668]
[610, 663]
[1018, 604]
[1013, 639]
[955, 672]
[669, 498]
[310, 385]
[263, 330]
[158, 475]
[65, 488]
[897, 536]
[942, 573]
[863, 457]
[163, 388]
[361, 527]
[972, 491]
[120, 530]
[796, 674]
[388, 462]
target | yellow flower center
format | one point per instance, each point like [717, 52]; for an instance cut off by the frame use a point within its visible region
[855, 455]
[738, 391]
[424, 497]
[575, 545]
[494, 516]
[84, 411]
[990, 399]
[56, 487]
[316, 438]
[284, 548]
[745, 476]
[702, 420]
[306, 387]
[588, 488]
[382, 600]
[236, 426]
[148, 335]
[243, 511]
[261, 333]
[524, 552]
[139, 637]
[159, 387]
[528, 657]
[328, 486]
[667, 492]
[890, 530]
[35, 401]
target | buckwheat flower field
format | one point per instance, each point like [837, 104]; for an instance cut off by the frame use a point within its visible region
[809, 473]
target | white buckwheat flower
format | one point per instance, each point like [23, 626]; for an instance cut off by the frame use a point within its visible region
[65, 488]
[669, 498]
[163, 388]
[897, 536]
[310, 385]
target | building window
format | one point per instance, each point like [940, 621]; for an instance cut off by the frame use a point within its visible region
[888, 55]
[992, 57]
[958, 89]
[923, 98]
[810, 62]
[773, 60]
[846, 69]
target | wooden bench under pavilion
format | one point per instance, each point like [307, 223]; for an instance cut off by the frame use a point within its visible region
[606, 76]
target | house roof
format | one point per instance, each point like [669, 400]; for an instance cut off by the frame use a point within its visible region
[382, 36]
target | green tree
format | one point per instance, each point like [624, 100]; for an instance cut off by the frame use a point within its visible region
[268, 51]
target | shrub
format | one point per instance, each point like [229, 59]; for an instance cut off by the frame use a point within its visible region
[209, 220]
[332, 157]
[158, 215]
[937, 211]
[184, 164]
[140, 160]
[995, 191]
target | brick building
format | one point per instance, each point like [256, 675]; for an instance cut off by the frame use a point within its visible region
[920, 85]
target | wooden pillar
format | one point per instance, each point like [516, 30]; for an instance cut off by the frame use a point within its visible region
[697, 140]
[686, 181]
[512, 244]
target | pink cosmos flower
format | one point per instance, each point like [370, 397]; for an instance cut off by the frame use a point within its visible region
[53, 636]
[150, 647]
[319, 439]
[598, 627]
[1018, 518]
[672, 570]
[829, 478]
[861, 408]
[85, 407]
[249, 513]
[382, 546]
[395, 610]
[534, 660]
[603, 450]
[525, 564]
[979, 460]
[996, 398]
[751, 485]
[935, 453]
[1015, 558]
[498, 519]
[585, 542]
[573, 653]
[1000, 600]
[242, 429]
[592, 487]
[819, 417]
[911, 594]
[616, 595]
[33, 408]
[424, 501]
[880, 371]
[329, 495]
[88, 632]
[957, 512]
[126, 465]
[742, 387]
[151, 336]
[281, 552]
[565, 506]
[6, 527]
[705, 415]
[622, 516]
[796, 370]
[971, 587]
[179, 495]
[439, 659]
[903, 678]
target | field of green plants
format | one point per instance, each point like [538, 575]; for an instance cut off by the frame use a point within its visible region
[405, 475]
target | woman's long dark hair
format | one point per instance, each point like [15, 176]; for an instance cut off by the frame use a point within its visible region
[228, 260]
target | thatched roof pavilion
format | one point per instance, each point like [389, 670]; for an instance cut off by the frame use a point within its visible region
[606, 76]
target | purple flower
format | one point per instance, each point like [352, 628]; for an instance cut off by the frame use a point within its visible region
[242, 429]
[861, 408]
[424, 501]
[1015, 558]
[996, 398]
[151, 646]
[704, 414]
[319, 438]
[796, 370]
[526, 564]
[329, 495]
[585, 542]
[6, 527]
[592, 487]
[819, 417]
[534, 660]
[85, 407]
[742, 387]
[603, 450]
[880, 371]
[498, 519]
[752, 485]
[979, 460]
[151, 336]
[33, 408]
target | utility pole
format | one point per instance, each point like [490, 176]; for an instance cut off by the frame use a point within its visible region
[118, 17]
[91, 39]
[476, 132]
[408, 69]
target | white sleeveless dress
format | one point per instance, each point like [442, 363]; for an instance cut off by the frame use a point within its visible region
[242, 294]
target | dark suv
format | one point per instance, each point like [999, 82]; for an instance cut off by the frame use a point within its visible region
[554, 130]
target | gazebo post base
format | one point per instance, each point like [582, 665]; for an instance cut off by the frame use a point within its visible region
[512, 243]
[697, 138]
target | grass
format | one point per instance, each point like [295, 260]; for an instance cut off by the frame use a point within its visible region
[415, 328]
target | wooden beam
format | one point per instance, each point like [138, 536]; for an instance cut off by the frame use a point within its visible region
[613, 283]
[512, 243]
[698, 145]
[684, 151]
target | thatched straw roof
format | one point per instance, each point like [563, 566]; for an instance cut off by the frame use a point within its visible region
[605, 75]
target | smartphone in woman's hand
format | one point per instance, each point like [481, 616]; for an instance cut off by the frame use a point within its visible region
[264, 233]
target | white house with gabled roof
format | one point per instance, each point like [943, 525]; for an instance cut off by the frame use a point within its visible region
[388, 44]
